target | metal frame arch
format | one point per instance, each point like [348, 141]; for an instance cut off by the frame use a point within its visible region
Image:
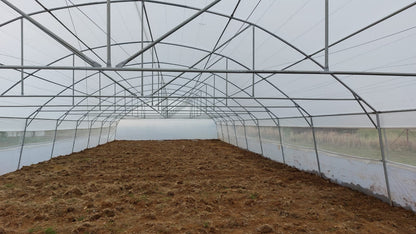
[139, 42]
[87, 112]
[220, 114]
[256, 26]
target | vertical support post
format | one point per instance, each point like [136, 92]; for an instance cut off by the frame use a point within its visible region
[245, 134]
[115, 131]
[206, 98]
[196, 103]
[235, 134]
[222, 133]
[108, 133]
[115, 101]
[254, 60]
[191, 111]
[89, 135]
[108, 33]
[217, 130]
[125, 101]
[135, 104]
[142, 46]
[201, 102]
[193, 107]
[226, 82]
[75, 136]
[22, 91]
[281, 141]
[383, 158]
[228, 134]
[220, 136]
[22, 145]
[214, 101]
[73, 80]
[101, 131]
[158, 88]
[166, 106]
[316, 148]
[99, 89]
[326, 34]
[54, 137]
[153, 62]
[260, 141]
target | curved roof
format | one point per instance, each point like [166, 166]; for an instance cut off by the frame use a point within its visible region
[234, 60]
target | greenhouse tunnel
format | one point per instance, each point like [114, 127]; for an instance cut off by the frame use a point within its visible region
[301, 82]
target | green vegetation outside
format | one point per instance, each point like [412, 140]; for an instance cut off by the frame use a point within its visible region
[400, 144]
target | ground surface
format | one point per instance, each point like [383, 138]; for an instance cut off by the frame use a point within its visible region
[184, 187]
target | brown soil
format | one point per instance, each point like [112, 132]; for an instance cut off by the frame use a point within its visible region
[184, 187]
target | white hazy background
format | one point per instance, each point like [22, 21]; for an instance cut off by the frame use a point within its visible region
[166, 129]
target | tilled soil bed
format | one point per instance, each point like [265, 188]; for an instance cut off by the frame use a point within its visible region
[184, 186]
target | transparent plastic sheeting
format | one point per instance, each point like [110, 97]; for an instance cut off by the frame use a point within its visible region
[347, 156]
[39, 145]
[277, 35]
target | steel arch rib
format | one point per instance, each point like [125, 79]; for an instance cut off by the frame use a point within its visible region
[189, 47]
[147, 103]
[354, 94]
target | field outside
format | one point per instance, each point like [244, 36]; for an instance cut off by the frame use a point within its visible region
[400, 144]
[13, 139]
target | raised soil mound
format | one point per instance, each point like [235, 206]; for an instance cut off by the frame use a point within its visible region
[184, 186]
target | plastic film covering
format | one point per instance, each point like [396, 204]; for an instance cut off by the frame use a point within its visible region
[37, 142]
[259, 69]
[270, 139]
[298, 147]
[64, 138]
[350, 155]
[232, 137]
[11, 143]
[254, 139]
[241, 136]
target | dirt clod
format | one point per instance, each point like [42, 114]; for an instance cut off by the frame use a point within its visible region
[94, 217]
[265, 229]
[109, 213]
[73, 192]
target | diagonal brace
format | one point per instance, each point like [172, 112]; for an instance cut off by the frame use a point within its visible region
[53, 35]
[123, 63]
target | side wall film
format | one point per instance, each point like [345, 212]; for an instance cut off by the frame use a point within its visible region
[349, 156]
[23, 143]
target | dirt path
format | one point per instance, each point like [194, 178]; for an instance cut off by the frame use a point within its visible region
[204, 186]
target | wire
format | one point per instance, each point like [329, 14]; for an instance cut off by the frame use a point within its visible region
[374, 40]
[69, 30]
[72, 22]
[355, 46]
[98, 26]
[301, 35]
[374, 49]
[285, 22]
[241, 27]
